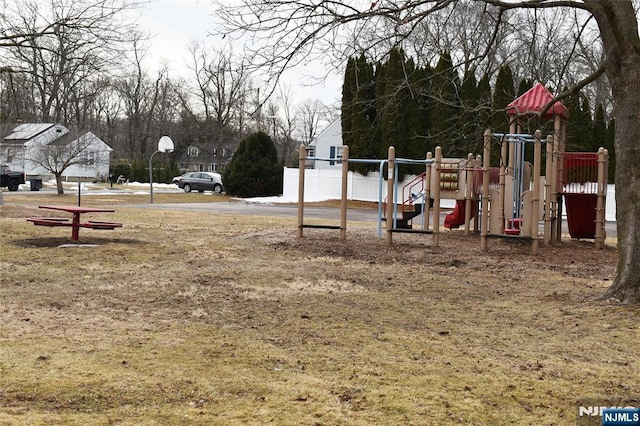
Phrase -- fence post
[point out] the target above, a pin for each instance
(391, 165)
(343, 199)
(302, 160)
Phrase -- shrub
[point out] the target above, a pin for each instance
(254, 169)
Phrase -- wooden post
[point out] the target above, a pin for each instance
(486, 156)
(391, 165)
(513, 129)
(467, 196)
(600, 203)
(476, 220)
(427, 191)
(547, 190)
(343, 200)
(302, 160)
(504, 171)
(535, 204)
(558, 150)
(436, 198)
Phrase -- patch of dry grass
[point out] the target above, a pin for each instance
(200, 318)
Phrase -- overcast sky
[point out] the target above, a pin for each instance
(176, 23)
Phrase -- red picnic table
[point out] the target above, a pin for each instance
(75, 223)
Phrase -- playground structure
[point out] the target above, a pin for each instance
(508, 201)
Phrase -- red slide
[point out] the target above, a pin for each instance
(581, 214)
(456, 218)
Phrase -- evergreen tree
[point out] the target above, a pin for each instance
(484, 107)
(420, 119)
(377, 149)
(503, 95)
(395, 124)
(348, 95)
(599, 130)
(254, 169)
(572, 103)
(469, 119)
(363, 119)
(445, 107)
(579, 124)
(525, 84)
(586, 126)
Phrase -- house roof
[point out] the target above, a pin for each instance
(333, 129)
(534, 100)
(86, 139)
(26, 131)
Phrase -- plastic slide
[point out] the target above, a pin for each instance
(581, 214)
(456, 218)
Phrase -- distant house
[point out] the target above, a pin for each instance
(197, 159)
(327, 145)
(23, 149)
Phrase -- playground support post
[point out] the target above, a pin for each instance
(556, 219)
(436, 198)
(343, 199)
(547, 190)
(302, 160)
(391, 165)
(486, 158)
(468, 196)
(504, 171)
(427, 190)
(600, 203)
(559, 137)
(535, 202)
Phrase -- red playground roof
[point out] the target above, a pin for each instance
(533, 100)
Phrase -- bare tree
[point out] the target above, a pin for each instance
(289, 125)
(107, 110)
(312, 120)
(217, 100)
(286, 31)
(140, 96)
(62, 46)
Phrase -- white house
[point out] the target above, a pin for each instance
(327, 145)
(25, 147)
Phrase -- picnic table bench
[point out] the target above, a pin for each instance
(75, 222)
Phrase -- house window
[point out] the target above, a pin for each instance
(335, 152)
(10, 154)
(88, 158)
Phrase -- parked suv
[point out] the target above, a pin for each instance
(200, 181)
